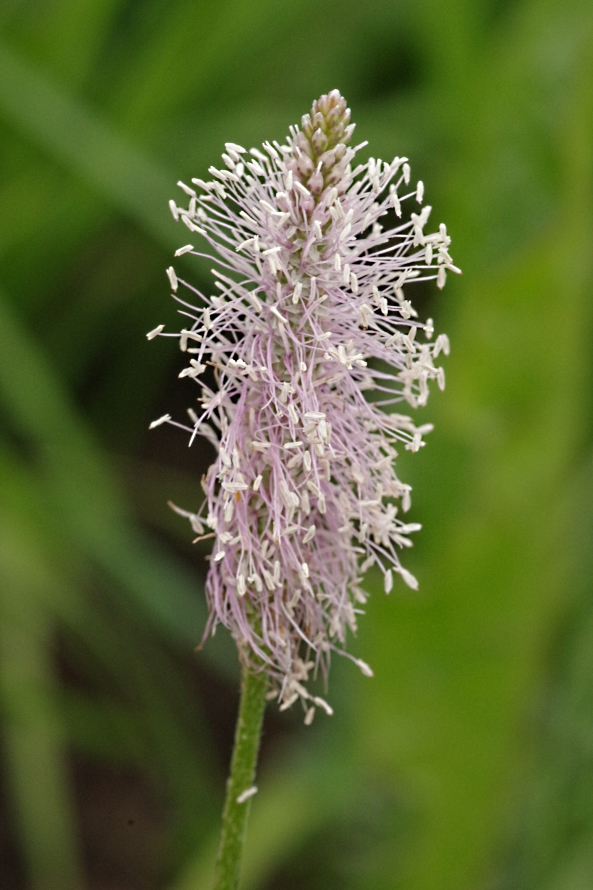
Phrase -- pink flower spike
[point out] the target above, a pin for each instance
(314, 342)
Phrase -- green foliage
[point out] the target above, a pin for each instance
(467, 761)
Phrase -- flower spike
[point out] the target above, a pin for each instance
(313, 339)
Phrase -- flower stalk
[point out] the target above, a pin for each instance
(240, 787)
(308, 343)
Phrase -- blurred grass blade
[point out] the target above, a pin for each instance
(91, 505)
(87, 22)
(34, 749)
(190, 49)
(550, 839)
(86, 146)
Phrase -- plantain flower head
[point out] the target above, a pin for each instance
(300, 356)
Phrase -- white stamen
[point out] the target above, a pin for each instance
(309, 536)
(160, 420)
(245, 795)
(321, 703)
(185, 249)
(364, 667)
(410, 580)
(301, 188)
(186, 188)
(255, 300)
(172, 278)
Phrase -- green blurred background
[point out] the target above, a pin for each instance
(467, 762)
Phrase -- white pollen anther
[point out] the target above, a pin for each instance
(160, 420)
(364, 667)
(310, 534)
(321, 703)
(301, 188)
(245, 795)
(172, 278)
(155, 332)
(186, 249)
(187, 189)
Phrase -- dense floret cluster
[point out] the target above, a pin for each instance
(312, 338)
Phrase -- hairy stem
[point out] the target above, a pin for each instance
(235, 815)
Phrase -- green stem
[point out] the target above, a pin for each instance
(234, 818)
